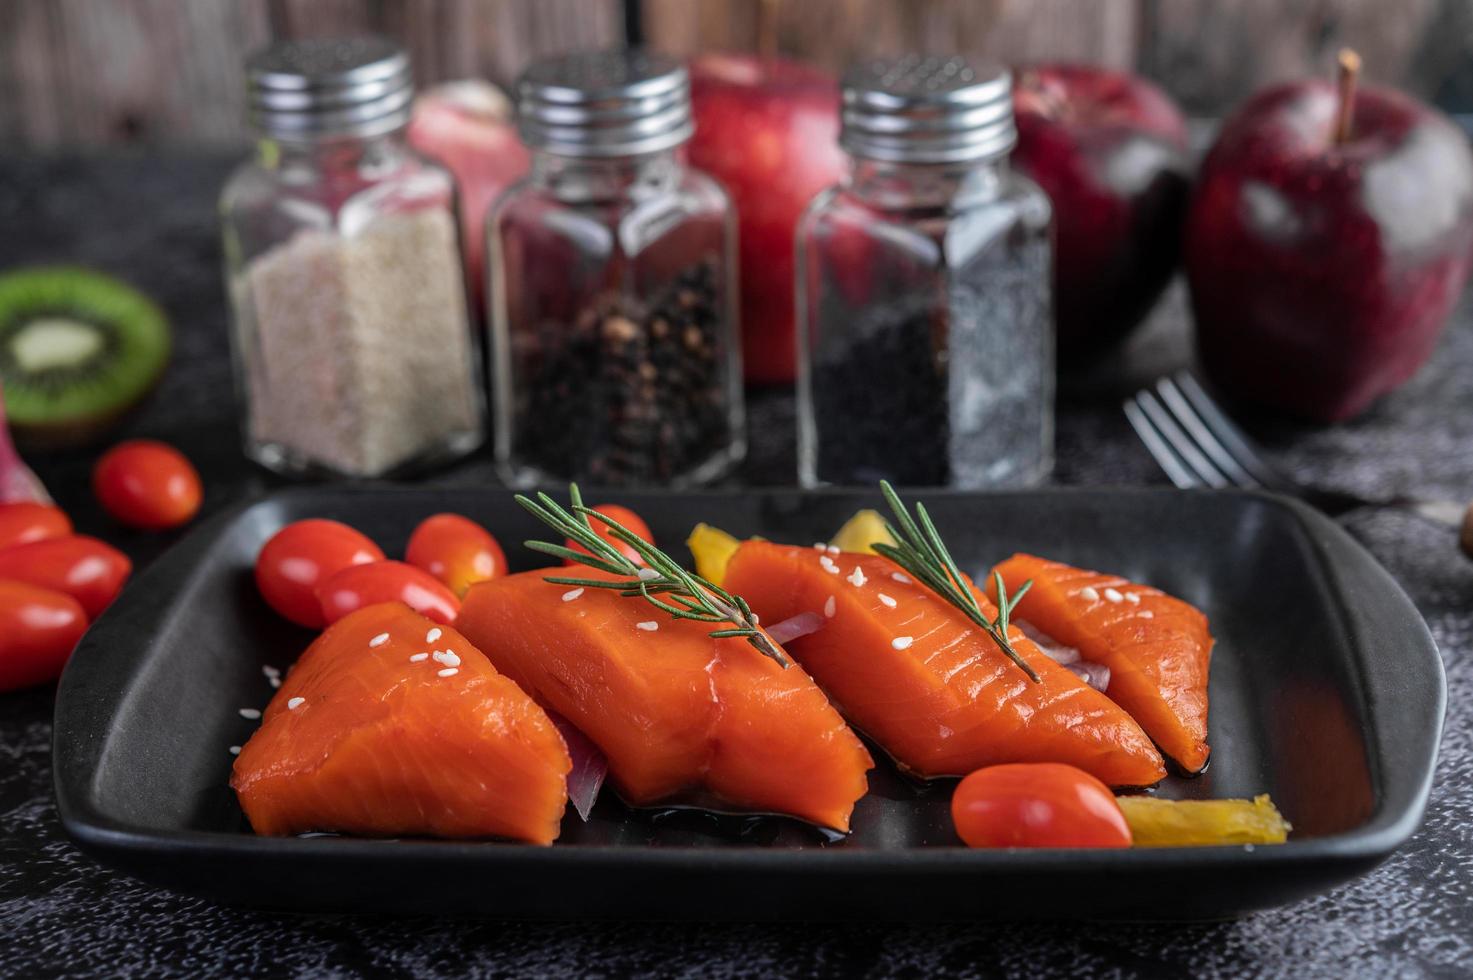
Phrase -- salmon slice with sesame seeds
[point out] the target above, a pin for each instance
(915, 674)
(1157, 647)
(682, 717)
(391, 725)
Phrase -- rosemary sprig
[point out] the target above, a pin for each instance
(691, 597)
(922, 553)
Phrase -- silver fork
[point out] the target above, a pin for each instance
(1197, 445)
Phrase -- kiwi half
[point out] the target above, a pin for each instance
(78, 349)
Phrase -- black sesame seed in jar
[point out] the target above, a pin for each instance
(884, 402)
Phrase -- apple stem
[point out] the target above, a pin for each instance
(1349, 70)
(767, 28)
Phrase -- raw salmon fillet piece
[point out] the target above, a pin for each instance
(682, 717)
(366, 737)
(1157, 647)
(912, 672)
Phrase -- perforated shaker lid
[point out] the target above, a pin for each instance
(918, 109)
(605, 103)
(350, 86)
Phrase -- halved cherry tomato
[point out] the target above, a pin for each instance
(147, 484)
(456, 550)
(623, 515)
(38, 630)
(1037, 804)
(386, 581)
(25, 521)
(300, 557)
(88, 570)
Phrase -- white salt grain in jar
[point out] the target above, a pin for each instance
(352, 335)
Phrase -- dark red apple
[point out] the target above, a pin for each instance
(768, 130)
(1110, 150)
(467, 126)
(1322, 269)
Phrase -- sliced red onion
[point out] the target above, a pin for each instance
(1095, 675)
(1055, 650)
(795, 627)
(17, 483)
(590, 766)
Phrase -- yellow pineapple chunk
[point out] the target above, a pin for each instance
(711, 548)
(861, 532)
(1203, 823)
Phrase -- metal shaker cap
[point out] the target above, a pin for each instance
(605, 104)
(327, 87)
(927, 110)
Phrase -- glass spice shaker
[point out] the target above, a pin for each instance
(926, 340)
(354, 352)
(614, 350)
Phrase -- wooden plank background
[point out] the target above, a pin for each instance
(79, 73)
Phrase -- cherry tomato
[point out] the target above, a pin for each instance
(631, 521)
(147, 484)
(1037, 804)
(38, 630)
(88, 570)
(456, 550)
(24, 521)
(386, 581)
(300, 557)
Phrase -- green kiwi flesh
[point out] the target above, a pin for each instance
(78, 349)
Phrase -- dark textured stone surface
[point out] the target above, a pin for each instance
(152, 221)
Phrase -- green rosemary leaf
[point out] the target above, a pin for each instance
(588, 583)
(953, 574)
(912, 533)
(920, 550)
(561, 551)
(692, 597)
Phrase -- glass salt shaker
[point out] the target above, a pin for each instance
(354, 351)
(614, 350)
(926, 340)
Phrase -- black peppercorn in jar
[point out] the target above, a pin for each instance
(611, 272)
(926, 339)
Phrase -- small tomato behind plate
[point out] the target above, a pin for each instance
(386, 581)
(456, 550)
(147, 484)
(1037, 804)
(90, 571)
(624, 516)
(38, 630)
(300, 557)
(25, 521)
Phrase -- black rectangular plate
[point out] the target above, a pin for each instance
(1327, 692)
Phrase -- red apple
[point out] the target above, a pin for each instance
(1322, 269)
(1109, 149)
(768, 130)
(467, 126)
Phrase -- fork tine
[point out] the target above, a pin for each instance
(1174, 468)
(1179, 441)
(1186, 416)
(1232, 438)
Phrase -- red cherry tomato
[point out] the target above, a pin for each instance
(1037, 804)
(147, 484)
(631, 521)
(24, 521)
(386, 581)
(300, 557)
(88, 570)
(38, 630)
(456, 550)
